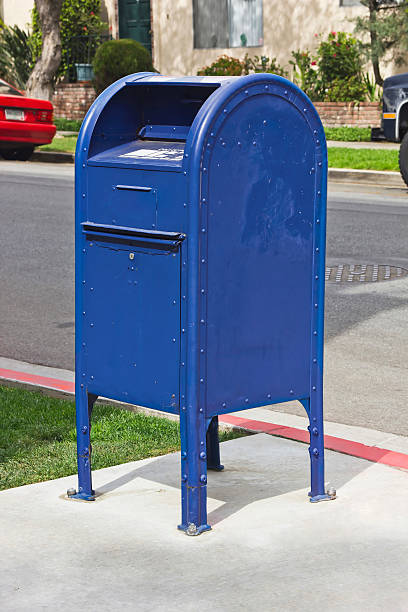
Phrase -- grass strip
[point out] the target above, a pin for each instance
(66, 144)
(38, 440)
(363, 159)
(69, 125)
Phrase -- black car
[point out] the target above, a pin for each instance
(394, 121)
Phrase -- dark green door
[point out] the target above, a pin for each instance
(134, 21)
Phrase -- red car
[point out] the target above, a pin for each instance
(24, 123)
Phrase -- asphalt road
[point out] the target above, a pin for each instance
(366, 323)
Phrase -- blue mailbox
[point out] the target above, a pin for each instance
(200, 260)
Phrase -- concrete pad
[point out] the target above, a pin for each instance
(269, 548)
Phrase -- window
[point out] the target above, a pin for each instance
(227, 23)
(8, 90)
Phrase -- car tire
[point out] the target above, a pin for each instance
(17, 154)
(403, 158)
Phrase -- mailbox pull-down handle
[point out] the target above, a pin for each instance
(167, 240)
(132, 188)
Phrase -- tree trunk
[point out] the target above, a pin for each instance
(42, 79)
(373, 7)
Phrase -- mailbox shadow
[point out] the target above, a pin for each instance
(256, 467)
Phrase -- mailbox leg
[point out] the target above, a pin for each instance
(213, 446)
(314, 408)
(193, 475)
(84, 405)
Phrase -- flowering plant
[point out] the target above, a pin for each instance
(334, 73)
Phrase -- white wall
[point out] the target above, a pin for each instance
(288, 25)
(18, 12)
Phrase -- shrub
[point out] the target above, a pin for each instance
(15, 55)
(223, 66)
(335, 73)
(305, 75)
(70, 125)
(346, 90)
(231, 66)
(374, 91)
(117, 58)
(349, 134)
(263, 64)
(338, 57)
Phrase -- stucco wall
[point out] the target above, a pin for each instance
(17, 12)
(288, 25)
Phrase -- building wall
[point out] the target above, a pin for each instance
(17, 12)
(288, 25)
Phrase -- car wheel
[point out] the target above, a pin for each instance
(403, 158)
(17, 154)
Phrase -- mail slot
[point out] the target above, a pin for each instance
(200, 261)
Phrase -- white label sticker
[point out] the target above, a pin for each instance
(163, 153)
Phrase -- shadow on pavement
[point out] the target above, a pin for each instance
(257, 467)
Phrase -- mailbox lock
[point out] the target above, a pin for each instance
(131, 256)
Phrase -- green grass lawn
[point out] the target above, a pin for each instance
(38, 440)
(66, 144)
(363, 159)
(367, 159)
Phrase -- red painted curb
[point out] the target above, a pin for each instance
(340, 445)
(41, 381)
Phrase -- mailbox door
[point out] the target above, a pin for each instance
(260, 255)
(131, 321)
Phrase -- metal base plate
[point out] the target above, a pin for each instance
(82, 496)
(318, 498)
(193, 530)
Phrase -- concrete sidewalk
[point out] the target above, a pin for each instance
(269, 548)
(384, 145)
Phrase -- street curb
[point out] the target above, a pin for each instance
(347, 175)
(53, 157)
(375, 454)
(371, 177)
